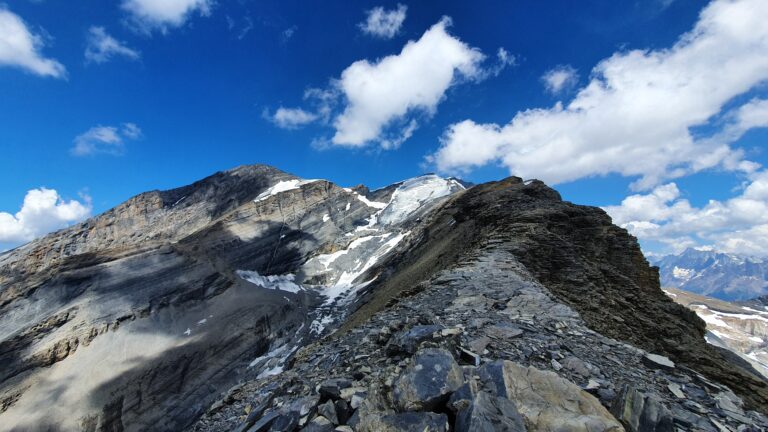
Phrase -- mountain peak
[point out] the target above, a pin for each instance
(142, 317)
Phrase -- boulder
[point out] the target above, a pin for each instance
(319, 424)
(264, 423)
(255, 414)
(545, 400)
(285, 422)
(331, 388)
(328, 410)
(408, 341)
(343, 411)
(486, 412)
(403, 422)
(640, 412)
(428, 381)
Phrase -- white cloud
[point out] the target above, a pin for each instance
(738, 225)
(413, 81)
(102, 47)
(20, 48)
(163, 14)
(290, 118)
(105, 139)
(289, 32)
(43, 211)
(378, 102)
(383, 23)
(560, 78)
(634, 116)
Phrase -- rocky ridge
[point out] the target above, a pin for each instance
(487, 310)
(418, 306)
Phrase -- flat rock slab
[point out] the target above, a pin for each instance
(547, 401)
(658, 362)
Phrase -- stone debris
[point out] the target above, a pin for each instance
(544, 371)
(658, 361)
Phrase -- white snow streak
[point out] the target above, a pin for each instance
(282, 186)
(275, 282)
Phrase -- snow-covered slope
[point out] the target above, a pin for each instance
(413, 194)
(740, 328)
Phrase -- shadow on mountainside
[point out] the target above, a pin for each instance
(156, 296)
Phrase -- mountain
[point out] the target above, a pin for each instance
(739, 327)
(256, 300)
(723, 276)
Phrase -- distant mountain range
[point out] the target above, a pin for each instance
(724, 276)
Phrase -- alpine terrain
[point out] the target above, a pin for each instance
(739, 327)
(723, 276)
(254, 300)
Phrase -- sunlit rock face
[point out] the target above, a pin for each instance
(141, 316)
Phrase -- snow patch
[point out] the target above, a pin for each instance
(282, 186)
(327, 259)
(326, 217)
(276, 282)
(344, 284)
(369, 203)
(683, 273)
(749, 309)
(414, 193)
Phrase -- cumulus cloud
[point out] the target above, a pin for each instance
(635, 115)
(290, 118)
(43, 211)
(414, 80)
(738, 225)
(20, 48)
(383, 23)
(381, 102)
(560, 78)
(105, 139)
(163, 14)
(102, 47)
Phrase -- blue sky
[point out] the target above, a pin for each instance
(114, 98)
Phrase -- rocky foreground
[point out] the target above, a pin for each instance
(257, 301)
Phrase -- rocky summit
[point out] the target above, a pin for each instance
(254, 300)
